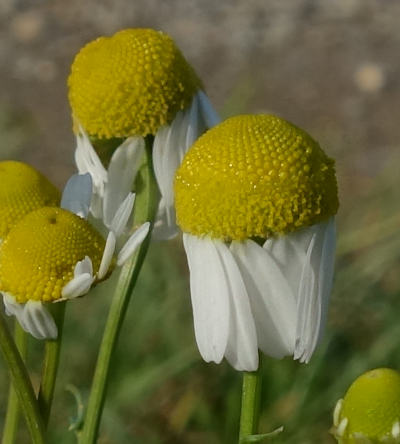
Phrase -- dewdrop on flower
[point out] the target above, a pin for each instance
(256, 198)
(128, 86)
(369, 413)
(23, 189)
(54, 254)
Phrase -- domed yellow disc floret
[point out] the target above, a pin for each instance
(254, 176)
(22, 190)
(38, 256)
(130, 84)
(372, 406)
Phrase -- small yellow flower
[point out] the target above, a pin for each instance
(370, 410)
(23, 189)
(254, 176)
(130, 84)
(38, 256)
(53, 254)
(125, 87)
(256, 198)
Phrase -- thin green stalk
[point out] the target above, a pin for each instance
(145, 210)
(13, 408)
(22, 384)
(250, 404)
(50, 364)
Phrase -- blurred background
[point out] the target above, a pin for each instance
(332, 68)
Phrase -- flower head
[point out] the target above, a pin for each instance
(123, 88)
(370, 410)
(130, 84)
(39, 255)
(255, 197)
(23, 189)
(54, 254)
(254, 176)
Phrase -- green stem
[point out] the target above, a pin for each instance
(13, 409)
(50, 364)
(250, 404)
(145, 210)
(22, 384)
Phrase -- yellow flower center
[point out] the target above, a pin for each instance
(254, 176)
(22, 190)
(39, 254)
(130, 84)
(372, 405)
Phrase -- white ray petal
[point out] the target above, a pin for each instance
(84, 266)
(271, 298)
(133, 243)
(164, 230)
(108, 254)
(82, 280)
(210, 297)
(77, 194)
(210, 116)
(88, 161)
(12, 307)
(314, 289)
(242, 349)
(122, 171)
(192, 130)
(36, 320)
(121, 217)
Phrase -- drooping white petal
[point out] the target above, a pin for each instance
(207, 111)
(133, 243)
(77, 194)
(108, 254)
(12, 307)
(164, 230)
(210, 297)
(88, 161)
(271, 298)
(36, 320)
(122, 171)
(192, 132)
(170, 146)
(121, 217)
(82, 280)
(314, 288)
(242, 349)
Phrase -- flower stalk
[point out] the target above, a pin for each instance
(50, 364)
(147, 197)
(22, 384)
(250, 412)
(13, 408)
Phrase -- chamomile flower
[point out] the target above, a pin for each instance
(256, 198)
(126, 87)
(370, 411)
(54, 254)
(23, 189)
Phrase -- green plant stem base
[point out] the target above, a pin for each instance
(146, 204)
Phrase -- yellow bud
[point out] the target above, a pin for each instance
(254, 176)
(371, 409)
(39, 254)
(23, 189)
(130, 84)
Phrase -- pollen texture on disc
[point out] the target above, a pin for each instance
(23, 189)
(130, 84)
(254, 176)
(39, 254)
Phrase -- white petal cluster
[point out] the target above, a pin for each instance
(271, 297)
(171, 143)
(77, 197)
